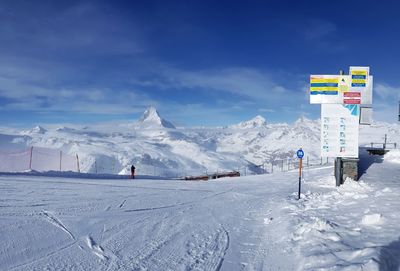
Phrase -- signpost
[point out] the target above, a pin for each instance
(346, 102)
(300, 155)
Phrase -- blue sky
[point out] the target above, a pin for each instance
(199, 62)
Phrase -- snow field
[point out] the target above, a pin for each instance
(246, 223)
(58, 223)
(353, 227)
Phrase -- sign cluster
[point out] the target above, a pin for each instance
(355, 88)
(343, 98)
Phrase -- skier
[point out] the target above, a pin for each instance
(133, 172)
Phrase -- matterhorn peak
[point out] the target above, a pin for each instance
(150, 113)
(152, 119)
(256, 122)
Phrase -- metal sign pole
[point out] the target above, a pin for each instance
(300, 155)
(300, 165)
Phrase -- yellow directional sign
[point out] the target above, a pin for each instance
(324, 89)
(359, 76)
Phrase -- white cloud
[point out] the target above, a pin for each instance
(386, 91)
(69, 28)
(267, 110)
(202, 114)
(247, 82)
(14, 88)
(385, 112)
(232, 90)
(30, 97)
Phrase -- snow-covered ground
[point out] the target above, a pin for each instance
(245, 223)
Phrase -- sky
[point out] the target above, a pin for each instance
(205, 63)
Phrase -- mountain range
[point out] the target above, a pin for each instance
(156, 147)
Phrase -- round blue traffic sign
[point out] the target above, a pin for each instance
(300, 153)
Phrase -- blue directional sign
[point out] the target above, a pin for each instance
(300, 153)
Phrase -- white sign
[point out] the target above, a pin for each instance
(366, 94)
(339, 130)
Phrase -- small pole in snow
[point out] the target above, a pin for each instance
(300, 154)
(399, 110)
(384, 144)
(300, 166)
(30, 159)
(77, 163)
(60, 159)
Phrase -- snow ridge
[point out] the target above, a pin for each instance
(256, 122)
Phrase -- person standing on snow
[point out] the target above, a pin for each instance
(133, 172)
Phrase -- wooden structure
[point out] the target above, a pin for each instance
(380, 150)
(212, 176)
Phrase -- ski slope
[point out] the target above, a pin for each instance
(245, 223)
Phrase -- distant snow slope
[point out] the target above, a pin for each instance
(256, 122)
(156, 147)
(245, 223)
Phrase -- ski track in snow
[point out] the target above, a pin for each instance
(122, 204)
(178, 204)
(56, 222)
(48, 255)
(96, 249)
(208, 253)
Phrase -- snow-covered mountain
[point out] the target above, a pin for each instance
(156, 147)
(151, 120)
(34, 130)
(256, 122)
